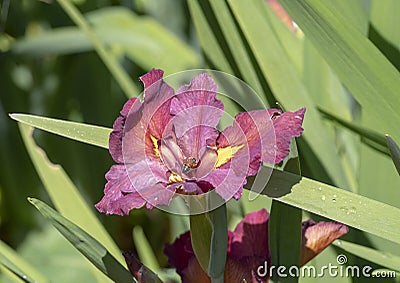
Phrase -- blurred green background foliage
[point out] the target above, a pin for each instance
(64, 78)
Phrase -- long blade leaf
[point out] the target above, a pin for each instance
(65, 195)
(370, 137)
(394, 152)
(86, 244)
(284, 232)
(343, 206)
(90, 134)
(370, 77)
(17, 265)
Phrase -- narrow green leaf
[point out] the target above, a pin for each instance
(86, 244)
(8, 276)
(329, 93)
(384, 259)
(65, 195)
(219, 242)
(18, 266)
(370, 137)
(179, 222)
(394, 152)
(284, 236)
(144, 250)
(15, 270)
(235, 44)
(378, 180)
(209, 235)
(285, 81)
(207, 38)
(337, 204)
(64, 257)
(284, 226)
(201, 231)
(384, 31)
(218, 48)
(369, 76)
(60, 41)
(90, 134)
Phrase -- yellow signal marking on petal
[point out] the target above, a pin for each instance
(174, 178)
(225, 154)
(155, 143)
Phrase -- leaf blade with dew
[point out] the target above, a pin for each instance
(354, 210)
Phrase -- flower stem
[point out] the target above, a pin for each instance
(219, 279)
(209, 234)
(106, 55)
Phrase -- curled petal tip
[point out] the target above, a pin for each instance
(317, 236)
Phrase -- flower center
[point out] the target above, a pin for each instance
(189, 163)
(183, 168)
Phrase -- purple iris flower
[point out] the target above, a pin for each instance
(248, 256)
(169, 144)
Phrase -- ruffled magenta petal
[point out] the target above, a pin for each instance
(246, 134)
(247, 250)
(250, 237)
(151, 77)
(201, 90)
(249, 243)
(149, 120)
(157, 100)
(119, 195)
(286, 126)
(115, 140)
(140, 176)
(264, 134)
(196, 109)
(125, 191)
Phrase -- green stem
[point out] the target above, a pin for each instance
(209, 235)
(108, 58)
(219, 279)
